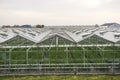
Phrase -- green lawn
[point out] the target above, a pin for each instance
(62, 78)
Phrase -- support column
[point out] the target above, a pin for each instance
(101, 50)
(27, 57)
(27, 51)
(10, 51)
(4, 56)
(56, 41)
(84, 58)
(66, 55)
(113, 63)
(56, 47)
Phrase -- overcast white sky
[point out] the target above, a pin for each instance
(59, 12)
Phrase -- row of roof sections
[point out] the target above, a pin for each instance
(74, 34)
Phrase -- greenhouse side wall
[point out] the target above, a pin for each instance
(29, 52)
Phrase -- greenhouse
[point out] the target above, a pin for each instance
(60, 50)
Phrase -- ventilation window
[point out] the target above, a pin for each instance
(117, 36)
(31, 34)
(78, 33)
(102, 33)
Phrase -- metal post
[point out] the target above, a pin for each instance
(66, 55)
(27, 56)
(56, 41)
(5, 56)
(56, 47)
(10, 55)
(113, 65)
(27, 53)
(84, 58)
